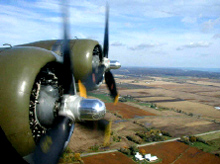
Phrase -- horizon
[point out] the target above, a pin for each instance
(173, 67)
(190, 68)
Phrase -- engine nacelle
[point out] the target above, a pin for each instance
(86, 55)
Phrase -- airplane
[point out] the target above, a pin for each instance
(39, 102)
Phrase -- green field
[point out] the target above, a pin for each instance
(104, 97)
(212, 142)
(212, 136)
(205, 147)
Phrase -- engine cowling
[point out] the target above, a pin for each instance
(19, 67)
(87, 56)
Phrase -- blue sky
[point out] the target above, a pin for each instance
(158, 33)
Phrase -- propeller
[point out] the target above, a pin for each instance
(109, 78)
(96, 76)
(51, 145)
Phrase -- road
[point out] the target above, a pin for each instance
(147, 144)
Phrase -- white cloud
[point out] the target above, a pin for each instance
(195, 45)
(190, 20)
(216, 36)
(117, 44)
(136, 27)
(167, 8)
(210, 24)
(141, 47)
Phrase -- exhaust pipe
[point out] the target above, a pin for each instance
(81, 109)
(91, 109)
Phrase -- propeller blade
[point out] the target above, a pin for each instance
(51, 145)
(106, 39)
(82, 89)
(116, 99)
(68, 68)
(110, 81)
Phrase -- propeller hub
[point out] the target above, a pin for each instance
(111, 64)
(106, 63)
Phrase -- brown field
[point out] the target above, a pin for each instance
(213, 101)
(137, 82)
(193, 155)
(149, 99)
(108, 158)
(161, 84)
(127, 111)
(179, 125)
(180, 153)
(205, 83)
(205, 111)
(87, 134)
(191, 88)
(124, 80)
(215, 94)
(158, 113)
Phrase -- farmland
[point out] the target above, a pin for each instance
(112, 158)
(177, 152)
(172, 102)
(127, 111)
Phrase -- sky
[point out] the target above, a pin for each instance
(143, 33)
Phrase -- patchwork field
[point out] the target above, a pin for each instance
(207, 83)
(175, 105)
(177, 152)
(158, 92)
(197, 109)
(178, 125)
(171, 152)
